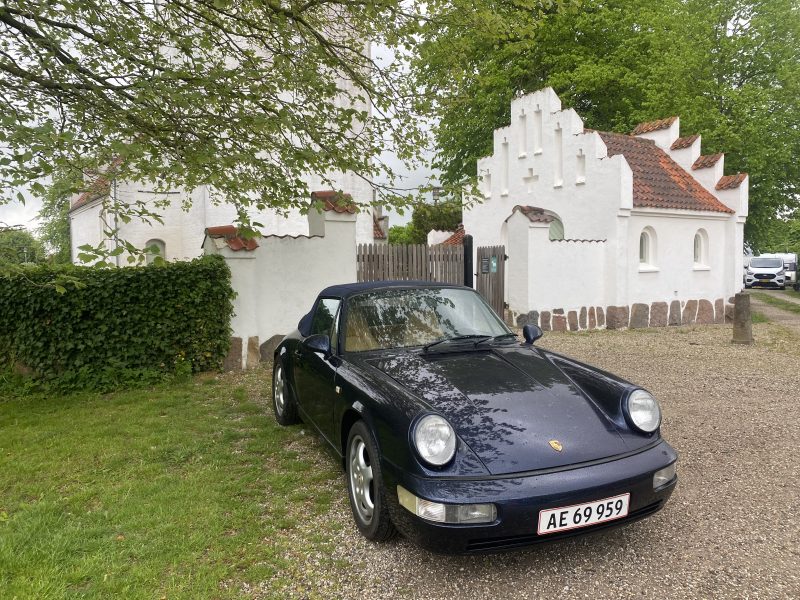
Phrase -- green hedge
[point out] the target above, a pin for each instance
(117, 325)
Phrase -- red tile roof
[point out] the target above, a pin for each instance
(232, 238)
(730, 182)
(658, 181)
(653, 126)
(336, 201)
(534, 214)
(100, 187)
(377, 231)
(684, 142)
(707, 160)
(457, 239)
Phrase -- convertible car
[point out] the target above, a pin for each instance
(457, 434)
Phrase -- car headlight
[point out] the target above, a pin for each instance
(435, 440)
(643, 411)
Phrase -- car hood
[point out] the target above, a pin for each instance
(507, 404)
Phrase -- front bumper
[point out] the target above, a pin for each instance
(519, 500)
(773, 282)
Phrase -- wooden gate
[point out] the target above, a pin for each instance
(491, 276)
(377, 262)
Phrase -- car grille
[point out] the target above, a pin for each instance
(763, 276)
(518, 541)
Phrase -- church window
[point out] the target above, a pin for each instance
(154, 248)
(647, 250)
(701, 249)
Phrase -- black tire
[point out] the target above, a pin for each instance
(283, 402)
(783, 287)
(374, 524)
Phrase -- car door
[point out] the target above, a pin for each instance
(315, 372)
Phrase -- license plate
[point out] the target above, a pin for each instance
(554, 520)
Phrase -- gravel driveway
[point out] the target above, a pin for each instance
(731, 529)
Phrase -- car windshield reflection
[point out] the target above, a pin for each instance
(405, 318)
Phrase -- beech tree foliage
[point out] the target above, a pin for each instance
(729, 68)
(442, 216)
(243, 96)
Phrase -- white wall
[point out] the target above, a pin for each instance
(545, 274)
(675, 276)
(277, 283)
(182, 231)
(86, 227)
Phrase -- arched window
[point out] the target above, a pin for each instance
(556, 229)
(155, 248)
(647, 248)
(701, 248)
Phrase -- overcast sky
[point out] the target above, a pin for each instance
(21, 214)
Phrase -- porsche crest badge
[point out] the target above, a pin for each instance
(556, 445)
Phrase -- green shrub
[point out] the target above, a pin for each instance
(116, 326)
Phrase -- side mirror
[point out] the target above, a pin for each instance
(318, 343)
(531, 333)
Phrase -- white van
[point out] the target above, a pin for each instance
(765, 271)
(789, 265)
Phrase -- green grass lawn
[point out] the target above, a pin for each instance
(183, 491)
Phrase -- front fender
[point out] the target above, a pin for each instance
(389, 411)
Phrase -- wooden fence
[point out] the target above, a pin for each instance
(377, 262)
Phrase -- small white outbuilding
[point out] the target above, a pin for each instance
(606, 229)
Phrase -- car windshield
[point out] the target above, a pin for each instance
(402, 318)
(766, 263)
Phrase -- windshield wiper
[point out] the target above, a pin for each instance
(497, 338)
(458, 338)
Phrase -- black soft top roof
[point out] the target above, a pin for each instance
(345, 290)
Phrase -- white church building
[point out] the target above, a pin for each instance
(189, 213)
(180, 236)
(606, 229)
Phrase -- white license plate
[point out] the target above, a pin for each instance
(553, 520)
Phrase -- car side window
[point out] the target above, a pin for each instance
(325, 319)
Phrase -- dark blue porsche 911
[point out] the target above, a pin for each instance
(458, 435)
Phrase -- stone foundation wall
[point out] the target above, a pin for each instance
(635, 316)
